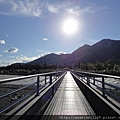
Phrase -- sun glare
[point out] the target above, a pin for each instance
(70, 26)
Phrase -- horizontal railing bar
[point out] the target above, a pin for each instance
(92, 81)
(108, 93)
(41, 88)
(17, 101)
(97, 80)
(81, 75)
(99, 75)
(41, 80)
(92, 84)
(105, 83)
(82, 79)
(25, 77)
(113, 86)
(6, 94)
(96, 86)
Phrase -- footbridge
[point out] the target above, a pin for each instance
(60, 95)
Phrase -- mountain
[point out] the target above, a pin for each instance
(104, 50)
(78, 55)
(50, 59)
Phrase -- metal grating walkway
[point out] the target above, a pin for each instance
(69, 100)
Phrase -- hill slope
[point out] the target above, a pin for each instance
(104, 50)
(50, 59)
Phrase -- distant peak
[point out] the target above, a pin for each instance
(53, 54)
(86, 45)
(106, 40)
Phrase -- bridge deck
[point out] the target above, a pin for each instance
(69, 100)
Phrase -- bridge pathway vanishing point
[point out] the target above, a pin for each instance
(69, 100)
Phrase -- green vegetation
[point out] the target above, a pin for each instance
(99, 67)
(26, 69)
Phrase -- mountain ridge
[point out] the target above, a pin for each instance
(104, 50)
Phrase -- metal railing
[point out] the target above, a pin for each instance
(101, 84)
(35, 87)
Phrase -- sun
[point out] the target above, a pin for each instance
(70, 26)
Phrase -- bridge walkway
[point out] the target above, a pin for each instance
(69, 100)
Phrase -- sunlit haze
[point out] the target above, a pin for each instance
(70, 26)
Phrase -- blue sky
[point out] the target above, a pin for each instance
(30, 29)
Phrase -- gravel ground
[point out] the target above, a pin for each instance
(5, 88)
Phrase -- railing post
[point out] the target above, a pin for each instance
(50, 79)
(103, 87)
(88, 80)
(94, 80)
(37, 89)
(55, 77)
(45, 80)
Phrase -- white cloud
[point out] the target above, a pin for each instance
(37, 8)
(2, 41)
(29, 8)
(94, 8)
(18, 59)
(40, 50)
(59, 53)
(24, 58)
(6, 62)
(45, 39)
(72, 11)
(46, 53)
(12, 50)
(90, 9)
(19, 7)
(1, 55)
(53, 8)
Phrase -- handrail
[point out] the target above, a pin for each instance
(6, 94)
(91, 78)
(97, 74)
(28, 76)
(38, 85)
(15, 102)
